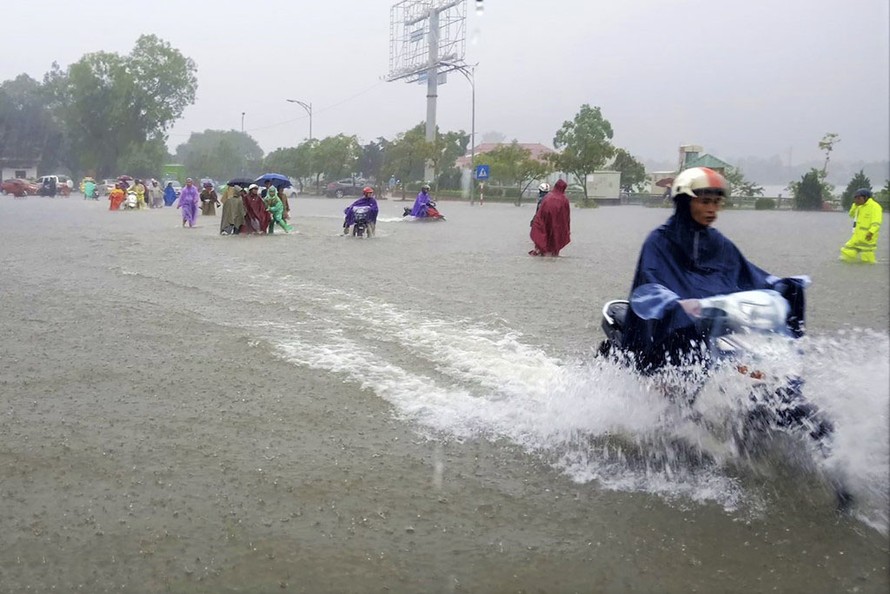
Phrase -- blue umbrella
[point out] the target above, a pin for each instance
(278, 180)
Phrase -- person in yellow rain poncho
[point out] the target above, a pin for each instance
(139, 188)
(866, 215)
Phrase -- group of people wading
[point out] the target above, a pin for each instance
(249, 210)
(147, 196)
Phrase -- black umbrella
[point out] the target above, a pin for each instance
(240, 181)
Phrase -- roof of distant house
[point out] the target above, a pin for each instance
(538, 151)
(710, 161)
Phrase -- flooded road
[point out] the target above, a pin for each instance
(184, 412)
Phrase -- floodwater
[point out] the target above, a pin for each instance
(417, 412)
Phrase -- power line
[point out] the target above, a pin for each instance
(323, 109)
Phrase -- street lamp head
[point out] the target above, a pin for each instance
(304, 105)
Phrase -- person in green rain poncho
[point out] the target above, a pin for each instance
(276, 209)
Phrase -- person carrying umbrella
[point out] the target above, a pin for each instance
(280, 182)
(276, 209)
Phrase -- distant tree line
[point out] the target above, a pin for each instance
(103, 114)
(108, 114)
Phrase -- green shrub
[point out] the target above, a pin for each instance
(811, 191)
(764, 204)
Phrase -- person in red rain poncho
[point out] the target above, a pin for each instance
(550, 227)
(256, 217)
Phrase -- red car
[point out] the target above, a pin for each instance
(18, 187)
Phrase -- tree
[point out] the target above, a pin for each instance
(145, 159)
(164, 83)
(407, 155)
(584, 144)
(633, 173)
(810, 192)
(371, 160)
(511, 164)
(445, 151)
(220, 154)
(859, 181)
(305, 162)
(883, 195)
(28, 130)
(827, 144)
(283, 161)
(109, 103)
(336, 156)
(739, 186)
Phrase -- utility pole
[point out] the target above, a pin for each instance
(242, 122)
(432, 87)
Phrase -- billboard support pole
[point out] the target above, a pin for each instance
(432, 88)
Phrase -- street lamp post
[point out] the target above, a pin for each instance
(308, 108)
(470, 74)
(242, 120)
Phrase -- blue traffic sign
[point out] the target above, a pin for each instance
(483, 171)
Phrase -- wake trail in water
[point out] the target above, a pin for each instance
(593, 419)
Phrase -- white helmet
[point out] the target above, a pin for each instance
(544, 187)
(697, 178)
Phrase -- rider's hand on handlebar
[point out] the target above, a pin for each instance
(692, 307)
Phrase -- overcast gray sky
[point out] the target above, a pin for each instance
(740, 77)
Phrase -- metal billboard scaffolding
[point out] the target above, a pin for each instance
(410, 37)
(427, 38)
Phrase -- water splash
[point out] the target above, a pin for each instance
(595, 419)
(592, 418)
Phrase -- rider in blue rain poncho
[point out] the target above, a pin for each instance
(687, 259)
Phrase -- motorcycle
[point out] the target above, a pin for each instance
(131, 202)
(744, 332)
(432, 214)
(362, 225)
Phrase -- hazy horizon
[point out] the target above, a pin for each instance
(750, 78)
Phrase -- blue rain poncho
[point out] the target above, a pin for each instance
(685, 260)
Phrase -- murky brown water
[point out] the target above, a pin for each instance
(188, 413)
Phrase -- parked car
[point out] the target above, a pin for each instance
(106, 186)
(345, 187)
(18, 187)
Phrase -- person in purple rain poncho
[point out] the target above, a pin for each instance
(188, 202)
(367, 199)
(422, 202)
